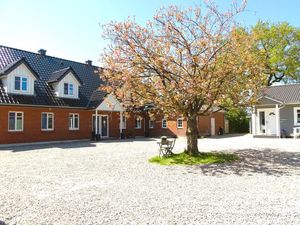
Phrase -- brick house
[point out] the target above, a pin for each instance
(45, 98)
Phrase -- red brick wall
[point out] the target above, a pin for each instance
(32, 125)
(204, 124)
(171, 130)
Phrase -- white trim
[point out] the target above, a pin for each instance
(15, 130)
(277, 114)
(47, 129)
(267, 97)
(73, 116)
(295, 116)
(162, 124)
(180, 127)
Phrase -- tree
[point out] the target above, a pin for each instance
(185, 62)
(280, 45)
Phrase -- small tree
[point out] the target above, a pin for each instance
(184, 62)
(280, 45)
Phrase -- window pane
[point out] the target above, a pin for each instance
(11, 124)
(24, 84)
(71, 121)
(44, 121)
(19, 122)
(66, 88)
(76, 122)
(179, 123)
(151, 124)
(50, 121)
(298, 116)
(17, 83)
(164, 123)
(70, 89)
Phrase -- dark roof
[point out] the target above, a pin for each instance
(45, 66)
(58, 75)
(94, 100)
(11, 66)
(283, 93)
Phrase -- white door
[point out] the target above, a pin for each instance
(212, 126)
(270, 122)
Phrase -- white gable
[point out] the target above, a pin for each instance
(69, 79)
(20, 71)
(110, 103)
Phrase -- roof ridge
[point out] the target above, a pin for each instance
(48, 56)
(283, 85)
(56, 71)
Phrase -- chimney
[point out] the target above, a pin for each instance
(42, 52)
(89, 62)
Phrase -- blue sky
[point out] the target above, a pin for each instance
(70, 29)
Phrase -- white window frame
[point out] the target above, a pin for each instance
(180, 127)
(139, 124)
(295, 116)
(47, 121)
(71, 126)
(69, 84)
(151, 127)
(15, 129)
(21, 84)
(124, 119)
(162, 124)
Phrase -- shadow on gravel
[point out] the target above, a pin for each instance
(227, 136)
(268, 162)
(66, 145)
(2, 223)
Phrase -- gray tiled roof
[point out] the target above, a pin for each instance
(284, 93)
(45, 66)
(60, 74)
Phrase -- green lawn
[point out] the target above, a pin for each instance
(202, 158)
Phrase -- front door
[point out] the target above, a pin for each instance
(104, 126)
(102, 122)
(271, 122)
(267, 121)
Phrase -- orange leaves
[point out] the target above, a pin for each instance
(180, 61)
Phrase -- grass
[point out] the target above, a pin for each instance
(202, 158)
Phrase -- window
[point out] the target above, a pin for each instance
(123, 122)
(151, 123)
(138, 123)
(21, 83)
(68, 89)
(297, 116)
(74, 121)
(15, 121)
(164, 123)
(47, 121)
(180, 123)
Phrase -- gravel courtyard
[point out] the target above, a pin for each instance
(111, 182)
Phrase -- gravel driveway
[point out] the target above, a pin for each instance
(112, 182)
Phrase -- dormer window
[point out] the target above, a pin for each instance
(65, 83)
(18, 77)
(21, 83)
(68, 89)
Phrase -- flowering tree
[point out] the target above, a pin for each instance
(184, 62)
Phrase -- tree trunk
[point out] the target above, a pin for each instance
(192, 135)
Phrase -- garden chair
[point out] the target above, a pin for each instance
(166, 146)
